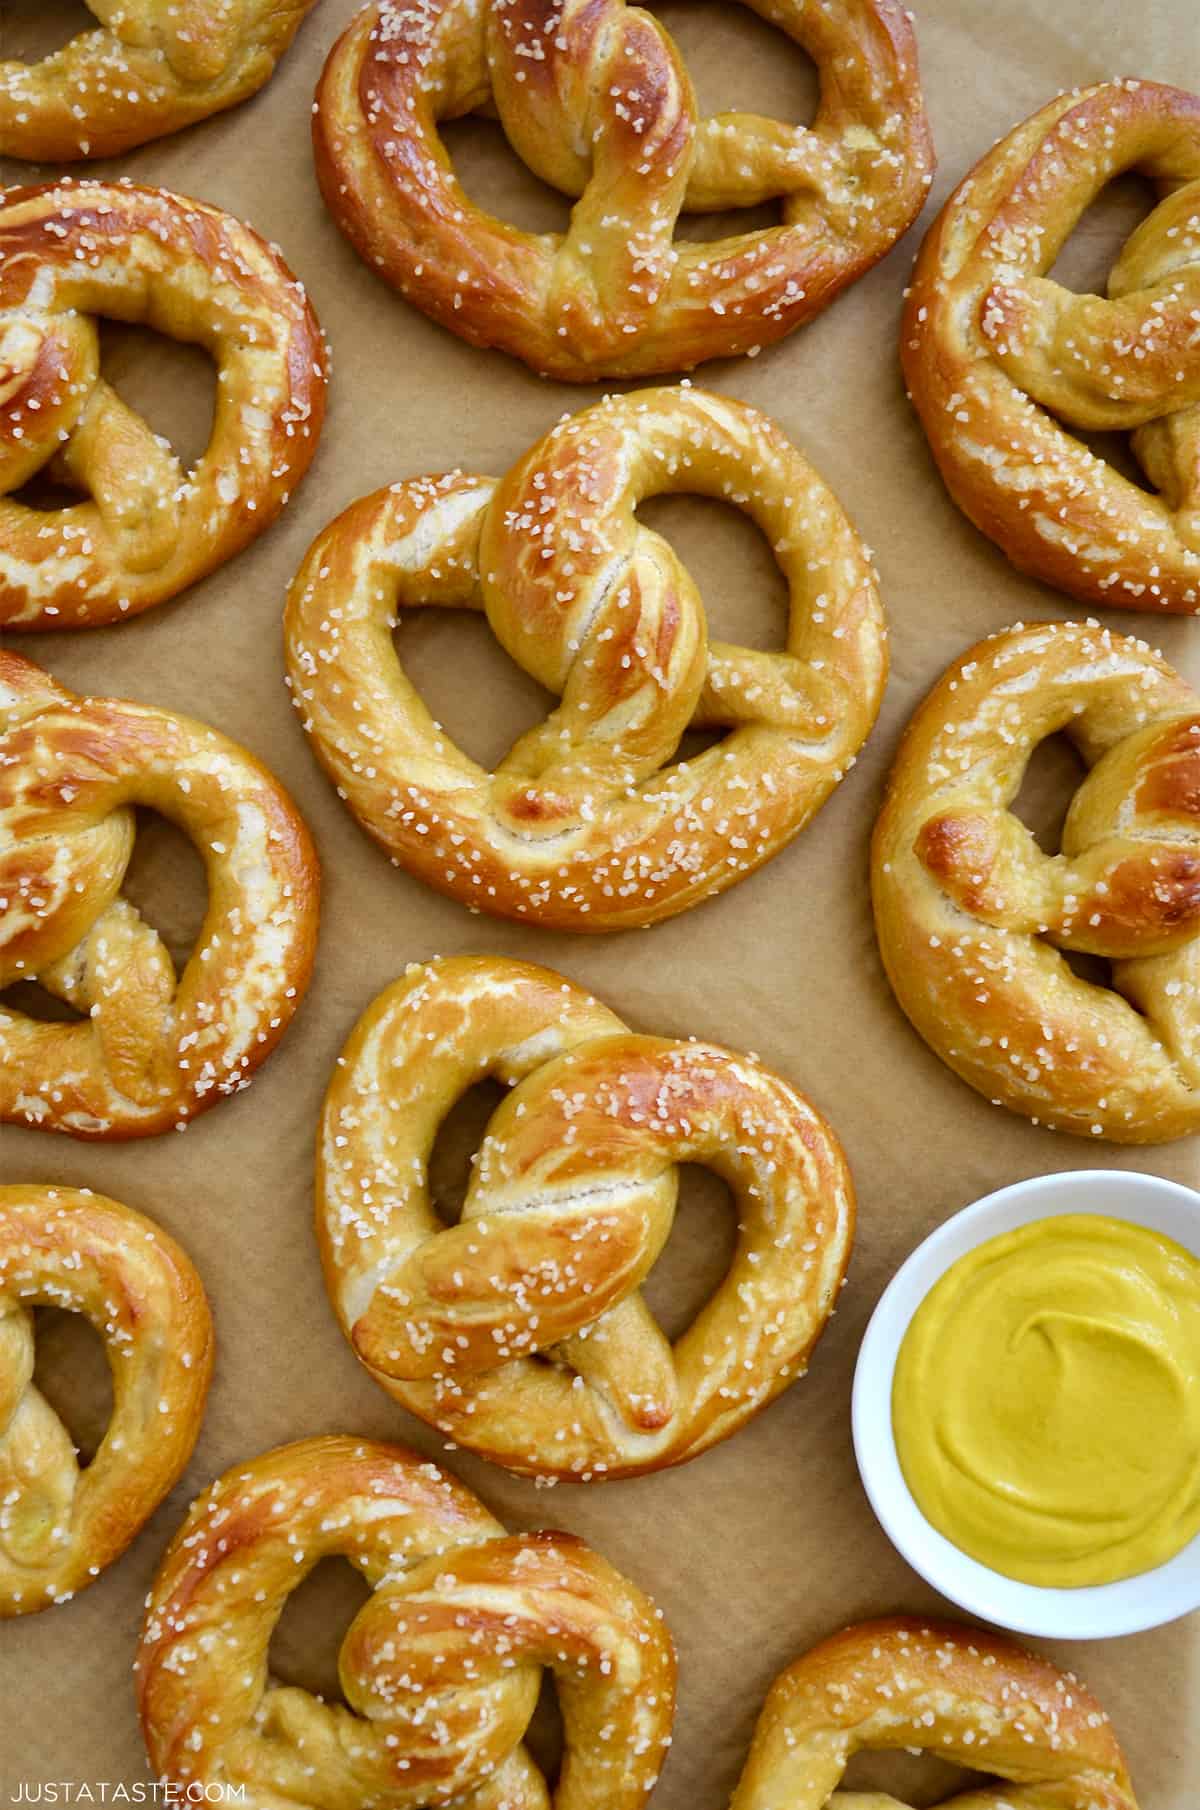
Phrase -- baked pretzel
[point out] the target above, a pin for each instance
(149, 68)
(60, 1525)
(966, 1695)
(579, 828)
(440, 1668)
(1002, 363)
(521, 1332)
(975, 922)
(594, 96)
(148, 529)
(152, 1050)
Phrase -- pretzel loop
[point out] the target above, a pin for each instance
(440, 1667)
(61, 1525)
(570, 1203)
(972, 1697)
(153, 1050)
(987, 332)
(595, 98)
(148, 529)
(973, 915)
(152, 67)
(580, 826)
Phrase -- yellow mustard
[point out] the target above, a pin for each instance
(1046, 1401)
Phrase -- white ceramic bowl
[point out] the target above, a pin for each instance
(1094, 1612)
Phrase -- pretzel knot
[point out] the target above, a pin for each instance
(997, 356)
(152, 1050)
(60, 1525)
(596, 99)
(970, 1697)
(148, 529)
(975, 921)
(151, 67)
(441, 1667)
(579, 828)
(520, 1332)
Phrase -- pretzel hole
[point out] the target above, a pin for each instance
(739, 63)
(745, 593)
(696, 1257)
(1098, 236)
(701, 228)
(544, 1737)
(72, 1371)
(456, 1147)
(482, 699)
(172, 385)
(166, 881)
(32, 999)
(496, 179)
(1051, 779)
(1096, 970)
(307, 1638)
(917, 1779)
(33, 29)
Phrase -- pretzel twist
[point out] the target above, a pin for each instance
(148, 529)
(973, 917)
(997, 356)
(150, 67)
(578, 828)
(152, 1050)
(60, 1525)
(596, 99)
(973, 1698)
(440, 1668)
(571, 1200)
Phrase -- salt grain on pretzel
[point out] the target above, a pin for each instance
(976, 923)
(150, 67)
(152, 1050)
(582, 827)
(60, 1525)
(441, 1667)
(594, 96)
(1002, 363)
(521, 1332)
(967, 1696)
(148, 529)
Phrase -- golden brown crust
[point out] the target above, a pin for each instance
(582, 826)
(441, 1667)
(972, 1697)
(616, 296)
(61, 1525)
(571, 1200)
(151, 67)
(1001, 363)
(152, 1050)
(973, 918)
(148, 529)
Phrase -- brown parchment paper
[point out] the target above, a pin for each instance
(764, 1545)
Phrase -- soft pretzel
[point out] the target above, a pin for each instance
(594, 96)
(61, 1525)
(521, 1332)
(970, 1697)
(150, 67)
(1002, 363)
(151, 1050)
(440, 1668)
(148, 529)
(975, 921)
(579, 828)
